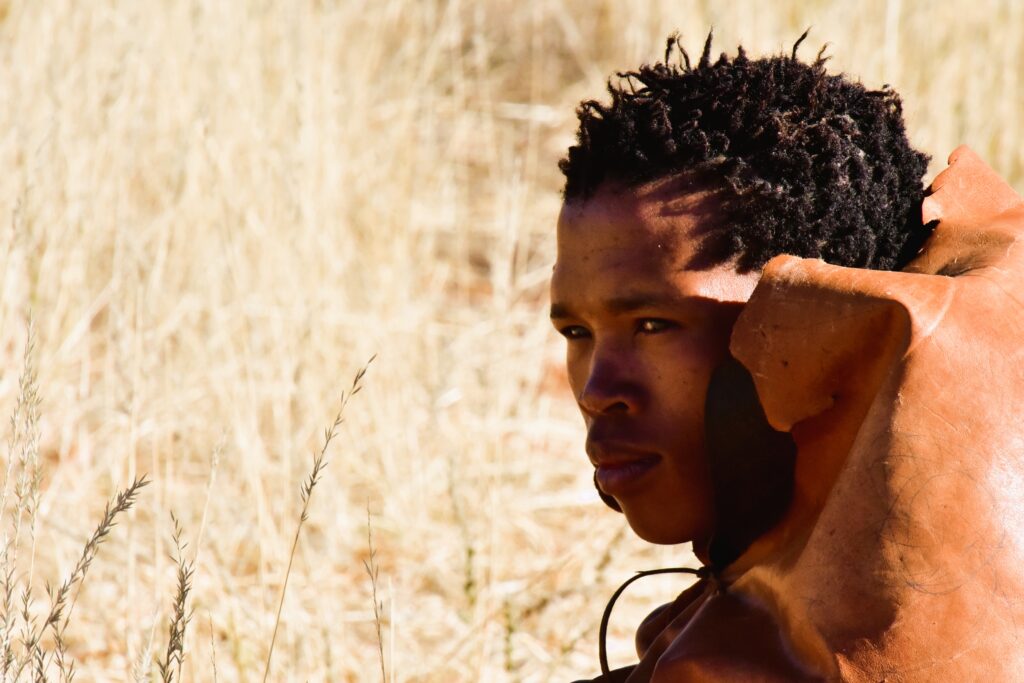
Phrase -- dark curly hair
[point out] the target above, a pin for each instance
(809, 164)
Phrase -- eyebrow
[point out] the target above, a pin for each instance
(628, 303)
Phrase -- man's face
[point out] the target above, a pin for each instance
(645, 328)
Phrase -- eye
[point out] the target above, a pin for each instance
(654, 325)
(572, 332)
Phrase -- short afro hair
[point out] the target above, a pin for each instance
(809, 164)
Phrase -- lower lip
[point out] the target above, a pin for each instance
(620, 479)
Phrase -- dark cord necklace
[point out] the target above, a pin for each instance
(602, 647)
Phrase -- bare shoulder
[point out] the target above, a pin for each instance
(655, 623)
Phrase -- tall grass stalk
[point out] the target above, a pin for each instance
(218, 451)
(61, 598)
(174, 655)
(373, 570)
(306, 493)
(23, 449)
(213, 651)
(25, 438)
(144, 660)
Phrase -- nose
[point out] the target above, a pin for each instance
(610, 387)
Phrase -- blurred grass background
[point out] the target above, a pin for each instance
(216, 211)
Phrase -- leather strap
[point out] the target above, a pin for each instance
(602, 647)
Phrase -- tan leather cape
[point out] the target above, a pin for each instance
(901, 554)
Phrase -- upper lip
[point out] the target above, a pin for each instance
(613, 453)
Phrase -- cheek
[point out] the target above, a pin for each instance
(683, 369)
(577, 366)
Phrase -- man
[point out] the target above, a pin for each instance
(797, 471)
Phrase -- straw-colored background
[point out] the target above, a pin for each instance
(217, 211)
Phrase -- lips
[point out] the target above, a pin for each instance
(621, 468)
(621, 479)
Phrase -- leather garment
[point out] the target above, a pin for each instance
(900, 555)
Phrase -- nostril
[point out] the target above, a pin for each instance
(617, 407)
(598, 405)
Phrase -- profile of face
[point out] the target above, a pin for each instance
(646, 323)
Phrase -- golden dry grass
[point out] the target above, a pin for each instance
(217, 211)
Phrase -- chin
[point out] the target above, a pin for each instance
(654, 528)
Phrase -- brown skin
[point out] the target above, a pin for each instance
(646, 324)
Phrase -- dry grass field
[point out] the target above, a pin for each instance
(216, 212)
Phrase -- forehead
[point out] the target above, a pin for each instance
(648, 238)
